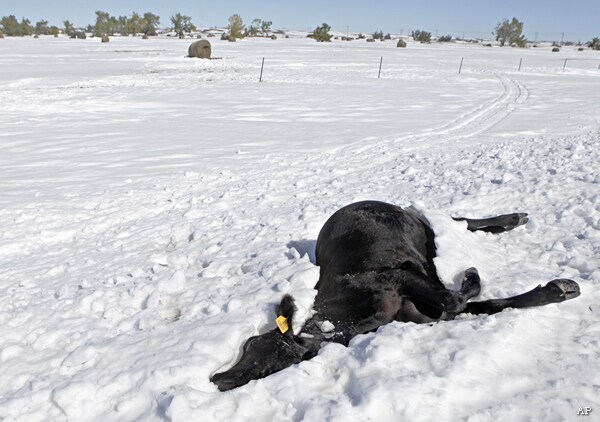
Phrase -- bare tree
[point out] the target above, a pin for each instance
(510, 32)
(321, 33)
(182, 24)
(149, 23)
(236, 26)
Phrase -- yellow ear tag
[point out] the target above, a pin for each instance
(282, 323)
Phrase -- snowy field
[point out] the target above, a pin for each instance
(154, 208)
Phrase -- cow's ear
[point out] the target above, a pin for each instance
(285, 312)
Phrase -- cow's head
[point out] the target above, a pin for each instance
(267, 353)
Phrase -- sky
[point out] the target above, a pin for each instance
(543, 19)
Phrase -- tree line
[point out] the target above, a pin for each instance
(136, 23)
(9, 25)
(105, 25)
(506, 32)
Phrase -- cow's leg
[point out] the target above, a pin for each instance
(555, 291)
(388, 303)
(418, 288)
(471, 284)
(416, 311)
(498, 224)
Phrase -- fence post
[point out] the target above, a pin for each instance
(565, 65)
(461, 62)
(380, 63)
(261, 69)
(520, 61)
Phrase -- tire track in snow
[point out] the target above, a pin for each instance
(474, 122)
(488, 115)
(379, 153)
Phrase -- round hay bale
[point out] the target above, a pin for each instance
(401, 43)
(200, 49)
(199, 36)
(555, 49)
(105, 38)
(580, 49)
(232, 39)
(370, 39)
(273, 37)
(36, 36)
(1, 35)
(144, 37)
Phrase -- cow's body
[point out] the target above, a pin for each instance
(365, 251)
(376, 266)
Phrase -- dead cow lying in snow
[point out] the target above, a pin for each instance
(376, 266)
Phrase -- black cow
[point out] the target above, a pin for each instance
(376, 266)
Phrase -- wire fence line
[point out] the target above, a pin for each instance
(558, 65)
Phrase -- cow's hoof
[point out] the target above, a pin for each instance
(471, 283)
(517, 219)
(454, 302)
(563, 288)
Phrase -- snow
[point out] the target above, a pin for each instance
(154, 208)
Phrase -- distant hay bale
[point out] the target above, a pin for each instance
(555, 49)
(36, 36)
(105, 38)
(273, 37)
(401, 44)
(199, 36)
(232, 39)
(370, 39)
(144, 37)
(200, 49)
(580, 49)
(1, 35)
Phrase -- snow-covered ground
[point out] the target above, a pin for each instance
(154, 208)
